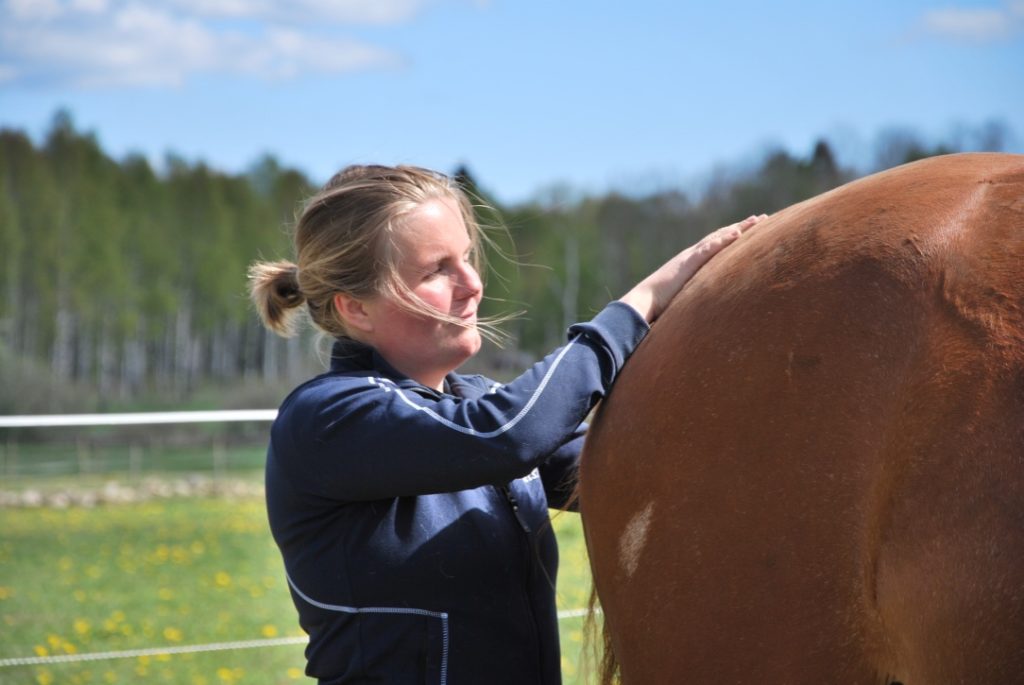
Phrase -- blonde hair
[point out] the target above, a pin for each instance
(345, 243)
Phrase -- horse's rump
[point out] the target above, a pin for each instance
(812, 470)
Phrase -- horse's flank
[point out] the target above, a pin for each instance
(812, 469)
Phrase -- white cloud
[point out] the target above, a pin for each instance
(979, 25)
(89, 6)
(91, 43)
(307, 11)
(32, 10)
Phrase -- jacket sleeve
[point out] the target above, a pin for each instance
(364, 438)
(560, 472)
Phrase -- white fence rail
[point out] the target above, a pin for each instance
(137, 418)
(86, 456)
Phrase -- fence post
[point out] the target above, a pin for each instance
(220, 459)
(82, 449)
(134, 463)
(11, 458)
(156, 445)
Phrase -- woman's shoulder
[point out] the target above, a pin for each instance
(325, 390)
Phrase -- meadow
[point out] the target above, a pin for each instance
(171, 573)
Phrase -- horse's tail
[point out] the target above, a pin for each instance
(608, 668)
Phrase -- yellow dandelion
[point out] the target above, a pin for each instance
(163, 657)
(117, 616)
(81, 626)
(144, 660)
(79, 595)
(127, 630)
(65, 563)
(172, 634)
(200, 680)
(110, 676)
(44, 678)
(269, 631)
(197, 547)
(54, 641)
(165, 593)
(222, 579)
(294, 673)
(69, 648)
(6, 592)
(40, 650)
(225, 674)
(93, 572)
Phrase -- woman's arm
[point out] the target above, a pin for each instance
(363, 437)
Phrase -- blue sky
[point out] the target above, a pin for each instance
(632, 95)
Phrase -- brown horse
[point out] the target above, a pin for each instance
(812, 470)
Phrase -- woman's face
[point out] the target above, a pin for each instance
(433, 260)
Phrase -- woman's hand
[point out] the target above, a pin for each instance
(652, 295)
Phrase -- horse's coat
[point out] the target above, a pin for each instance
(827, 430)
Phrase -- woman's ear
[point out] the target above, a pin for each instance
(353, 313)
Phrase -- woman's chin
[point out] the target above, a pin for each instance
(471, 342)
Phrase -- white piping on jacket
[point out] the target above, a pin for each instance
(385, 610)
(388, 385)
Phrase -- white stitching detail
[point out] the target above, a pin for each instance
(470, 431)
(385, 610)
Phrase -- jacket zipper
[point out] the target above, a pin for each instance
(514, 503)
(506, 490)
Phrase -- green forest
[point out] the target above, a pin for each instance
(123, 285)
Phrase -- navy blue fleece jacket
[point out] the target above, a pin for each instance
(414, 523)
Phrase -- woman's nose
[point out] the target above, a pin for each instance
(468, 279)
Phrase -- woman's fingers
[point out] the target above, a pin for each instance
(651, 296)
(750, 222)
(717, 240)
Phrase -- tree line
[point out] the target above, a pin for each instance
(131, 282)
(124, 280)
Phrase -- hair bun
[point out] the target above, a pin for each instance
(286, 286)
(274, 289)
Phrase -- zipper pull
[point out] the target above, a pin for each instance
(514, 503)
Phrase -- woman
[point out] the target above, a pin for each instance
(410, 503)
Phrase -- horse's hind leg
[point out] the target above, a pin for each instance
(953, 611)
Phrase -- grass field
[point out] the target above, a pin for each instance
(171, 573)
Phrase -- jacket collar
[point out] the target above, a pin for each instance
(351, 355)
(348, 355)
